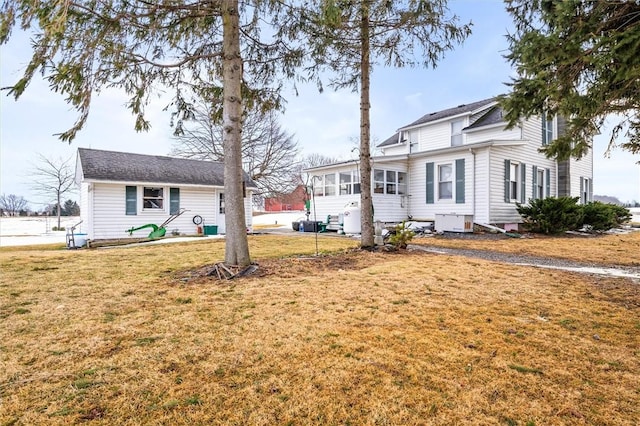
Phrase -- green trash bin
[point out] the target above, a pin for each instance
(211, 230)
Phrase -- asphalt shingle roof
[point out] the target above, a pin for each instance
(460, 109)
(127, 167)
(434, 116)
(493, 116)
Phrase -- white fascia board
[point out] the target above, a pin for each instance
(489, 126)
(460, 148)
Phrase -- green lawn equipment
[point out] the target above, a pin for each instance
(158, 231)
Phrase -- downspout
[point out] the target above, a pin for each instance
(489, 195)
(407, 196)
(473, 187)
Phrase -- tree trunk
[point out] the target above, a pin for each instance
(366, 203)
(237, 245)
(59, 210)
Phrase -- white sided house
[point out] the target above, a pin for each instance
(120, 191)
(460, 165)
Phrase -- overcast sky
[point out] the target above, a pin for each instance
(326, 123)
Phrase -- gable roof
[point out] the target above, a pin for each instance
(450, 112)
(435, 116)
(492, 116)
(127, 167)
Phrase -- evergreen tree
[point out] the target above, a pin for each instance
(578, 59)
(350, 37)
(214, 47)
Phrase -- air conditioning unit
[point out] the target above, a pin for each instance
(452, 222)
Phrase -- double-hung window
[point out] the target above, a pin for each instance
(539, 183)
(586, 190)
(456, 133)
(330, 184)
(547, 129)
(391, 182)
(153, 198)
(514, 181)
(445, 181)
(402, 183)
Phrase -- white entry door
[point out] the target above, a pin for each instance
(220, 215)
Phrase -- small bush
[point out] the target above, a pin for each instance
(56, 228)
(401, 236)
(604, 216)
(551, 215)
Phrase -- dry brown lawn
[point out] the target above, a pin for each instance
(621, 249)
(124, 336)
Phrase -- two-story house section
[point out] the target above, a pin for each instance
(460, 161)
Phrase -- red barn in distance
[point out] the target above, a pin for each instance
(293, 201)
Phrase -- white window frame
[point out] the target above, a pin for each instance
(402, 183)
(151, 202)
(548, 129)
(450, 181)
(389, 182)
(326, 185)
(378, 181)
(456, 132)
(350, 186)
(585, 195)
(514, 180)
(540, 182)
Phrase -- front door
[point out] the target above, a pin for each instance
(220, 215)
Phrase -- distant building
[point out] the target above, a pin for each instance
(293, 201)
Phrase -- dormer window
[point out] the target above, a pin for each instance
(456, 132)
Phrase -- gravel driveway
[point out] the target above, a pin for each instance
(537, 261)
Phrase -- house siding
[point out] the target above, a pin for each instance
(493, 134)
(480, 190)
(437, 136)
(419, 208)
(580, 169)
(111, 221)
(488, 154)
(501, 211)
(86, 215)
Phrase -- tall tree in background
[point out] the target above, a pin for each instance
(53, 178)
(268, 152)
(70, 208)
(351, 37)
(578, 59)
(172, 46)
(13, 204)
